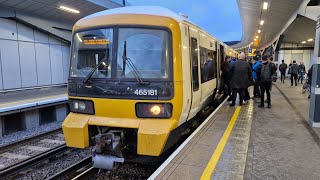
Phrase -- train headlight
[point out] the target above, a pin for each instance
(154, 110)
(81, 106)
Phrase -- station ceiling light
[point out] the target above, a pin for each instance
(64, 8)
(310, 40)
(265, 5)
(257, 37)
(303, 42)
(259, 31)
(261, 22)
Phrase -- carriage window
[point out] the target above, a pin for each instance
(208, 62)
(194, 60)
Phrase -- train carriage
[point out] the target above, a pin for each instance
(138, 76)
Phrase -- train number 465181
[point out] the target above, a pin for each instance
(146, 92)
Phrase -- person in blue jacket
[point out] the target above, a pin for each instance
(256, 88)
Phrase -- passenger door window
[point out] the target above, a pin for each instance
(194, 60)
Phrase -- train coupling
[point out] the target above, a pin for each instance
(107, 152)
(106, 161)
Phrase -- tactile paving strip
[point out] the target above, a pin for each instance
(232, 162)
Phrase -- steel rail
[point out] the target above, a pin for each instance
(20, 166)
(27, 140)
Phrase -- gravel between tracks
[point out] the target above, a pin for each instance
(46, 170)
(127, 171)
(10, 138)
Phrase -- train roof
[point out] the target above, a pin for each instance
(144, 10)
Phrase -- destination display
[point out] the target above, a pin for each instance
(95, 41)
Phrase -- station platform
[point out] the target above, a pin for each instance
(23, 99)
(247, 142)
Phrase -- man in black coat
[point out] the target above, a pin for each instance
(225, 68)
(240, 74)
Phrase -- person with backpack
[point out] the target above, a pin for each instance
(264, 75)
(274, 67)
(240, 74)
(302, 71)
(283, 68)
(294, 72)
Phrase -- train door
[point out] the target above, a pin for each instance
(195, 71)
(220, 61)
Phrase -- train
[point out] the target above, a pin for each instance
(138, 76)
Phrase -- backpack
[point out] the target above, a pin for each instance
(283, 67)
(266, 72)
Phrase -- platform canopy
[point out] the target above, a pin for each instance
(51, 8)
(275, 16)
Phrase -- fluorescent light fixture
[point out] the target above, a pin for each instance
(261, 22)
(265, 5)
(259, 31)
(303, 42)
(78, 37)
(257, 37)
(69, 9)
(310, 40)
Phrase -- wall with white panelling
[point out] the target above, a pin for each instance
(304, 56)
(30, 58)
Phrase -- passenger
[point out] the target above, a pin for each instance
(274, 75)
(264, 75)
(283, 68)
(240, 73)
(225, 68)
(256, 88)
(310, 79)
(294, 69)
(302, 72)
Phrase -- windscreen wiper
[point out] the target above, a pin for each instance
(132, 67)
(106, 58)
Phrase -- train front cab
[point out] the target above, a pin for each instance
(120, 111)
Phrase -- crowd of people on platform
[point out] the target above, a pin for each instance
(239, 75)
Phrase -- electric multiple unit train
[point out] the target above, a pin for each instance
(138, 76)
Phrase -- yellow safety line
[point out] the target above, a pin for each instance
(217, 153)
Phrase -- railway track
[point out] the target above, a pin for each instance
(20, 155)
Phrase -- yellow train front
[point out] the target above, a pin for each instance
(127, 89)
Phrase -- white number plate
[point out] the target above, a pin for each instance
(146, 92)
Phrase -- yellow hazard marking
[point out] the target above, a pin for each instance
(218, 151)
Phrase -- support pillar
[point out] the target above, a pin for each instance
(1, 127)
(31, 119)
(61, 112)
(314, 113)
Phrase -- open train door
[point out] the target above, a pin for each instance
(195, 71)
(221, 56)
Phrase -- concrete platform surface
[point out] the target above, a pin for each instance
(10, 101)
(194, 158)
(276, 143)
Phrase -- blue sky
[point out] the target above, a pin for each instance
(218, 17)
